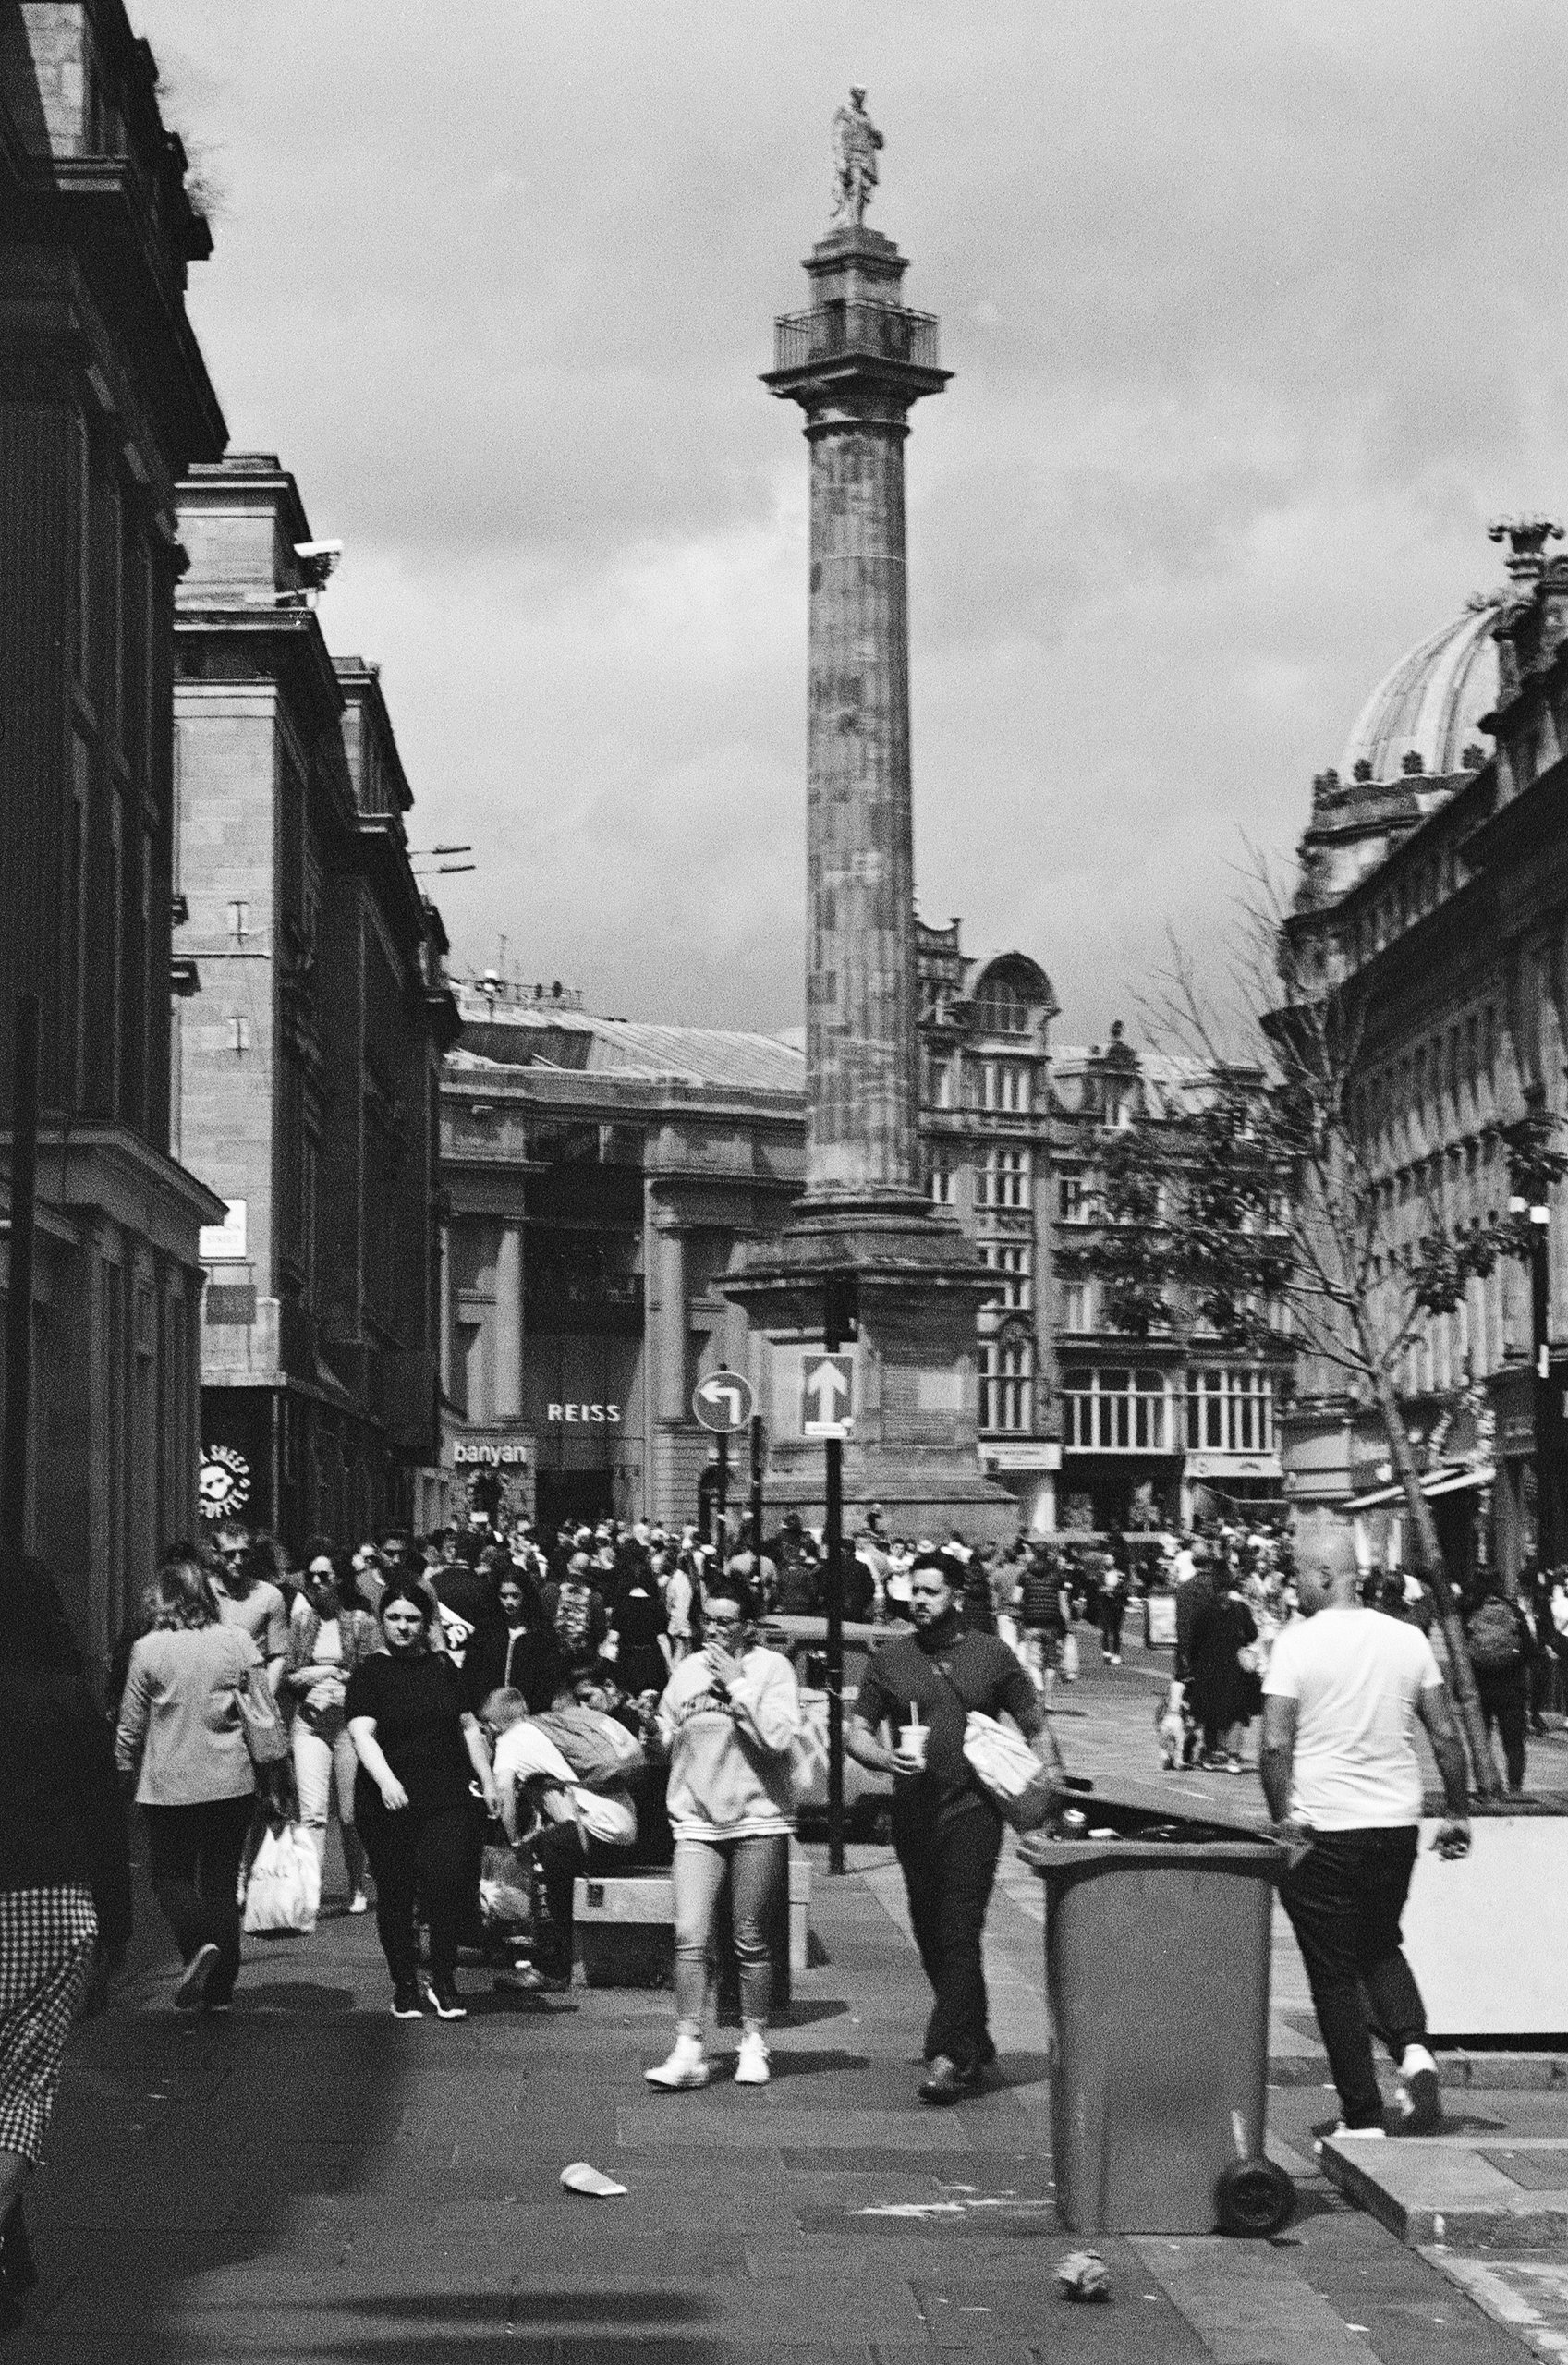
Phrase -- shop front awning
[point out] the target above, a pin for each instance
(1436, 1482)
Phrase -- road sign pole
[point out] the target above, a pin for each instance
(756, 1497)
(834, 1541)
(721, 1497)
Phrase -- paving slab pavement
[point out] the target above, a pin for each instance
(310, 2180)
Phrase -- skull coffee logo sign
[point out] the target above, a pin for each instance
(224, 1483)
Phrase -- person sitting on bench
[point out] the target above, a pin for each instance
(587, 1818)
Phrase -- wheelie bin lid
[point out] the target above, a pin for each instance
(1152, 1828)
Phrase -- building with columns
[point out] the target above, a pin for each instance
(105, 403)
(1433, 889)
(605, 1178)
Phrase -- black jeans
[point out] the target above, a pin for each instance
(561, 1853)
(1503, 1703)
(1112, 1609)
(194, 1858)
(1344, 1900)
(949, 1869)
(416, 1856)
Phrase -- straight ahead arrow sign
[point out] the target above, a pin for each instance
(827, 1390)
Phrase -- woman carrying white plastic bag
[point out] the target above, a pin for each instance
(284, 1889)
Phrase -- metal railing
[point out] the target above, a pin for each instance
(847, 326)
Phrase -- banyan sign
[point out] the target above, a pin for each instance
(475, 1452)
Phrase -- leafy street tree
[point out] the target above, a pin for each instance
(1270, 1204)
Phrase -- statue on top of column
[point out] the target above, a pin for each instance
(855, 142)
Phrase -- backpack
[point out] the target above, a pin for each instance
(1493, 1637)
(601, 1752)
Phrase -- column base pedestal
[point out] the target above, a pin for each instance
(913, 1446)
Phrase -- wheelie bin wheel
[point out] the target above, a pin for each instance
(1254, 2199)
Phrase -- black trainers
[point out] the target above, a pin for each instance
(445, 2002)
(407, 2004)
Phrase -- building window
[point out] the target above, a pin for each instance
(1006, 1085)
(1001, 1009)
(1113, 1411)
(1070, 1201)
(1011, 1260)
(1004, 1179)
(939, 1181)
(1078, 1306)
(1230, 1412)
(1006, 1383)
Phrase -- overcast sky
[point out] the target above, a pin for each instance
(1257, 316)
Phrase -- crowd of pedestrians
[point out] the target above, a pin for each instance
(491, 1712)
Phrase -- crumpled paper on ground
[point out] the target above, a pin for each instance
(583, 2177)
(1083, 2275)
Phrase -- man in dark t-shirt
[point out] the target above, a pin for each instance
(946, 1833)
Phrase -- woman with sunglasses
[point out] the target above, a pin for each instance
(729, 1717)
(420, 1753)
(329, 1634)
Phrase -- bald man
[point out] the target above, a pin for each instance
(1345, 1689)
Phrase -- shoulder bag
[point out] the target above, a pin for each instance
(260, 1721)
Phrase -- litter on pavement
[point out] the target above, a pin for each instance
(582, 2176)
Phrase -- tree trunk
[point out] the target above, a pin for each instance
(1429, 1565)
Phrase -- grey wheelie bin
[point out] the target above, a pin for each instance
(1157, 1956)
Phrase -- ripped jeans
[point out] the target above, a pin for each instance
(757, 1870)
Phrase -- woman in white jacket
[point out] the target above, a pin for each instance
(729, 1717)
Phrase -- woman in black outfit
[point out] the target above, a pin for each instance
(640, 1626)
(515, 1648)
(419, 1750)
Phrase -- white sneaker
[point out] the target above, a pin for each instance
(751, 2062)
(1421, 2101)
(685, 2067)
(359, 1902)
(1354, 2134)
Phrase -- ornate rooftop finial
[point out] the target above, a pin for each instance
(1526, 538)
(855, 142)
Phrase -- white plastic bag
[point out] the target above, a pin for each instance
(284, 1889)
(1070, 1659)
(1008, 1771)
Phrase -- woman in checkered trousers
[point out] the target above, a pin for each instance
(65, 1880)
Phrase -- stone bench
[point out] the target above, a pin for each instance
(625, 1927)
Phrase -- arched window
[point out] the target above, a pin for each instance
(1001, 1008)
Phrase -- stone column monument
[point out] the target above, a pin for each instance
(857, 362)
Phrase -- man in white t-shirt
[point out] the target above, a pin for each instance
(1344, 1690)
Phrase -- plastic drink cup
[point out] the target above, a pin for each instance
(912, 1740)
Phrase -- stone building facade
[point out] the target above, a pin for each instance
(1433, 889)
(604, 1180)
(1155, 1431)
(607, 1179)
(308, 1070)
(105, 403)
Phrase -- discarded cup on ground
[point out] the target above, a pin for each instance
(581, 2177)
(1083, 2275)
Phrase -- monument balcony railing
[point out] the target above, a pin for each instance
(848, 326)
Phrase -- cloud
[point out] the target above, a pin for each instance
(1256, 315)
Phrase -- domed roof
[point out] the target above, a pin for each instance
(1431, 703)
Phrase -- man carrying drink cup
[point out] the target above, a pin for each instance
(946, 1832)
